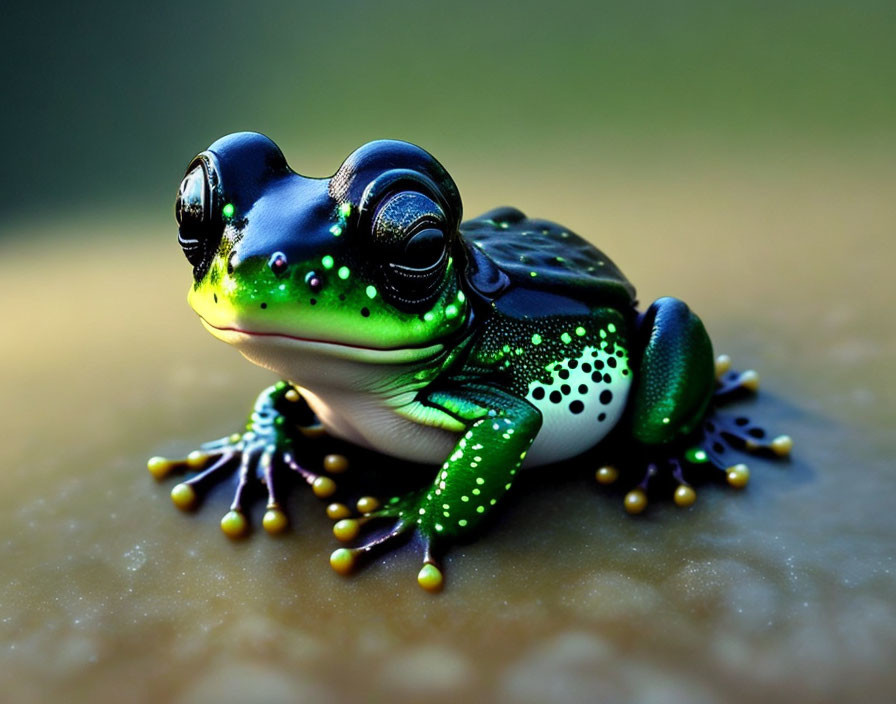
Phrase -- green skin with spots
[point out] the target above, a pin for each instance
(470, 357)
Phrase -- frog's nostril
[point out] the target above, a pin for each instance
(314, 281)
(278, 263)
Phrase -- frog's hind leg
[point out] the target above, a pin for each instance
(674, 416)
(709, 446)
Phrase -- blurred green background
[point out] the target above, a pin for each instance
(106, 102)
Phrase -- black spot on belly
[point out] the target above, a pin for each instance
(538, 393)
(611, 362)
(606, 396)
(264, 305)
(607, 378)
(601, 417)
(597, 377)
(365, 311)
(563, 374)
(565, 389)
(556, 397)
(598, 365)
(573, 363)
(583, 389)
(577, 407)
(586, 368)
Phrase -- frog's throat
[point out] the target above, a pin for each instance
(369, 355)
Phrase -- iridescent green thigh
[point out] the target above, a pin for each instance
(675, 376)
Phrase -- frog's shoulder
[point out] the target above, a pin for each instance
(507, 250)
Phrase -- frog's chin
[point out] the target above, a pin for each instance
(243, 339)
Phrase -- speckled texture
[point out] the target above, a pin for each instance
(781, 593)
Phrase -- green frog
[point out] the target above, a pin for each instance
(473, 348)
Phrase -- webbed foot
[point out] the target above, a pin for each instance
(708, 448)
(264, 453)
(403, 513)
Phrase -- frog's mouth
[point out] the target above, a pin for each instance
(344, 350)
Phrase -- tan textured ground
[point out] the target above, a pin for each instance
(786, 592)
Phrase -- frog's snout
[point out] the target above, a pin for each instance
(200, 223)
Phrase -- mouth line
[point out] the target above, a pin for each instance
(346, 345)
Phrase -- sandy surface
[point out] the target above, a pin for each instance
(785, 592)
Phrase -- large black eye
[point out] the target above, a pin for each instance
(200, 226)
(424, 249)
(409, 240)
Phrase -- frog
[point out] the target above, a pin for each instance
(474, 349)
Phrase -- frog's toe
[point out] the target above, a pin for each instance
(731, 383)
(662, 472)
(403, 513)
(721, 430)
(345, 560)
(430, 577)
(162, 467)
(186, 494)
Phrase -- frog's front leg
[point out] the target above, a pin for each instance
(500, 428)
(265, 452)
(672, 415)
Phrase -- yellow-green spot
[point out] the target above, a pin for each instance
(336, 230)
(428, 316)
(533, 274)
(536, 339)
(451, 311)
(611, 327)
(228, 210)
(371, 291)
(345, 209)
(580, 331)
(462, 522)
(343, 272)
(327, 262)
(480, 509)
(696, 455)
(461, 297)
(603, 333)
(566, 337)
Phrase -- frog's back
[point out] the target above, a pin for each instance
(508, 249)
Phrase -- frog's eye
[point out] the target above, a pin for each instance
(409, 232)
(424, 249)
(200, 224)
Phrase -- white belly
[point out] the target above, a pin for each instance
(357, 400)
(580, 405)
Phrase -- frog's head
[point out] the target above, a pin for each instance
(361, 262)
